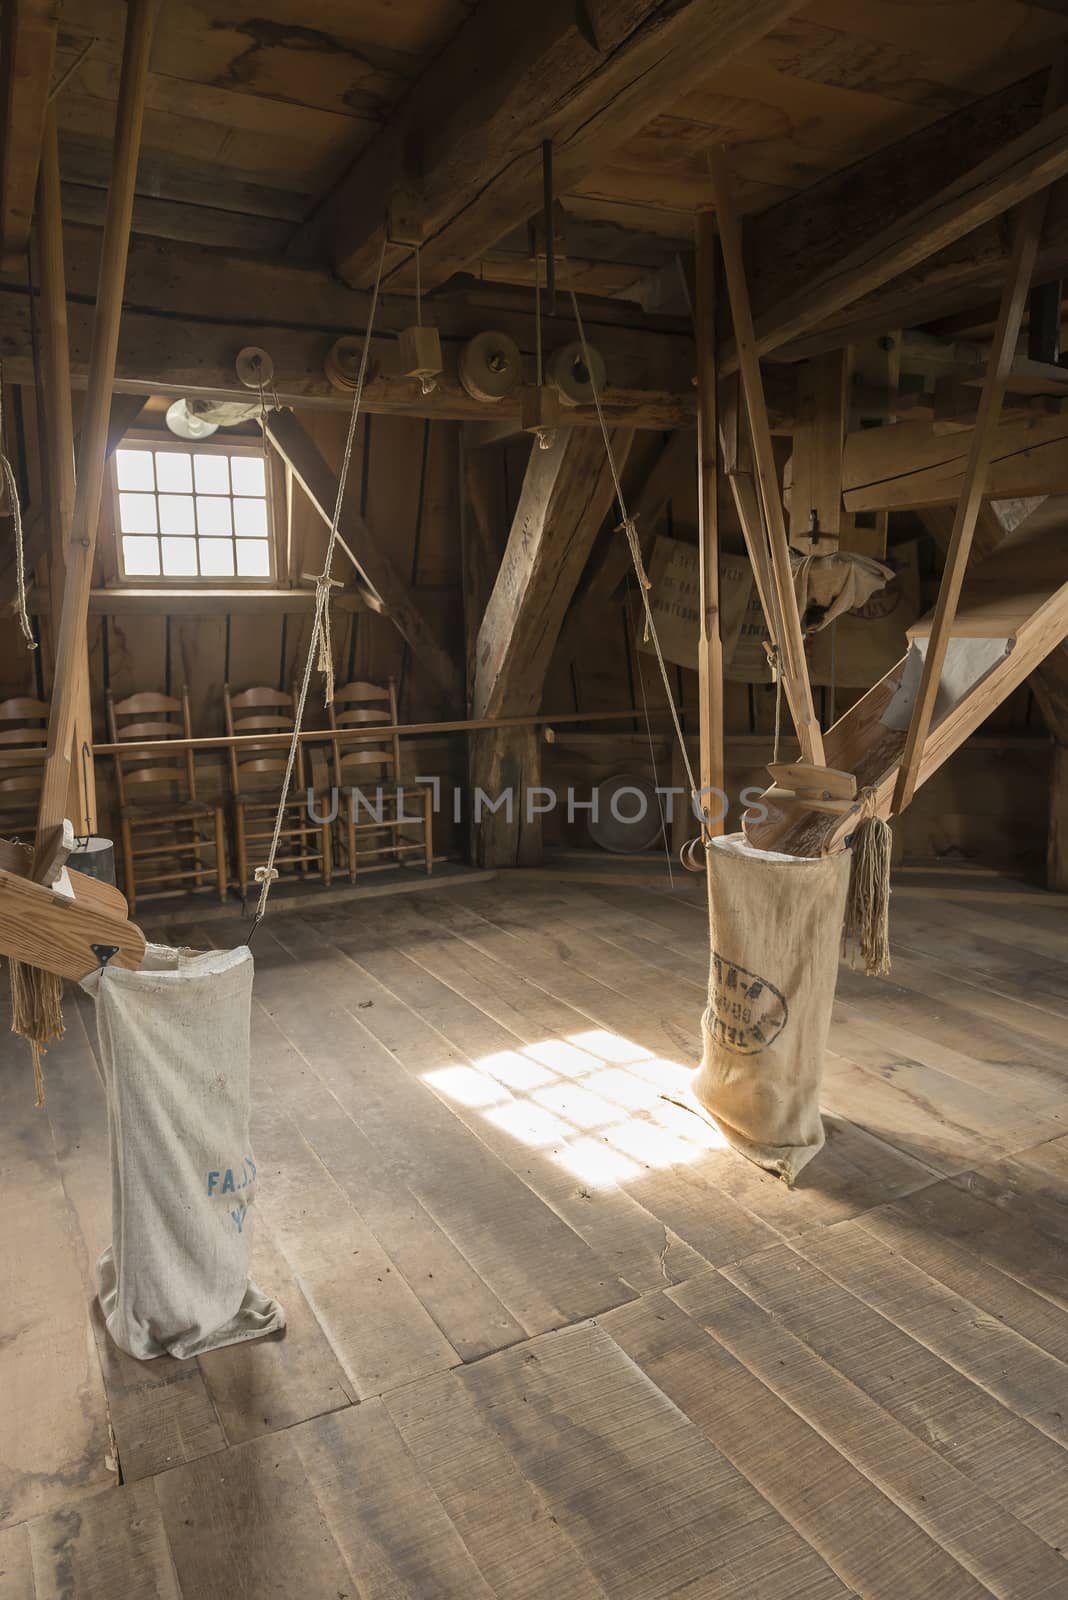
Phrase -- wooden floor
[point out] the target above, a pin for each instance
(546, 1337)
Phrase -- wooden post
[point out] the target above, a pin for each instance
(710, 644)
(1026, 234)
(71, 637)
(786, 624)
(57, 433)
(1057, 857)
(816, 484)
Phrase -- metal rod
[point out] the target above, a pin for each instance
(547, 207)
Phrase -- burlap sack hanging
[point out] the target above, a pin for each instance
(776, 929)
(174, 1047)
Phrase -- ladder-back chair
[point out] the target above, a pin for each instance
(23, 726)
(256, 777)
(161, 817)
(374, 771)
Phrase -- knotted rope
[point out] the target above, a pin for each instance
(629, 526)
(319, 649)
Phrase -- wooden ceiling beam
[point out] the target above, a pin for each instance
(189, 309)
(462, 153)
(27, 52)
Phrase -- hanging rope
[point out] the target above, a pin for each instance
(11, 489)
(320, 634)
(629, 527)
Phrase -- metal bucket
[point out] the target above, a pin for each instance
(95, 857)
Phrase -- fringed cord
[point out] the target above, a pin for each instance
(867, 922)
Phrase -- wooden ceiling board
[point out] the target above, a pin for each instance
(375, 34)
(839, 81)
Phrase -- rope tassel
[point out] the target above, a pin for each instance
(36, 1013)
(867, 920)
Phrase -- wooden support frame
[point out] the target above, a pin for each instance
(784, 620)
(710, 644)
(1026, 233)
(71, 639)
(383, 587)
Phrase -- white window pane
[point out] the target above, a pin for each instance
(248, 475)
(216, 558)
(174, 471)
(213, 515)
(134, 469)
(253, 558)
(140, 557)
(137, 513)
(250, 519)
(176, 514)
(179, 557)
(212, 474)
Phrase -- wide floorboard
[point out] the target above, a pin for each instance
(547, 1337)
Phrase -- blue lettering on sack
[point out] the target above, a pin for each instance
(239, 1218)
(225, 1182)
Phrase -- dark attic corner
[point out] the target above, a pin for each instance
(533, 799)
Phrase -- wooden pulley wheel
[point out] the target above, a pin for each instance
(254, 367)
(490, 366)
(692, 854)
(342, 363)
(570, 375)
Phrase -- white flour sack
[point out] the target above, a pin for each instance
(776, 932)
(174, 1047)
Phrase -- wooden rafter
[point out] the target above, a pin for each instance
(383, 587)
(461, 157)
(27, 51)
(1026, 230)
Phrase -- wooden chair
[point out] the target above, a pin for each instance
(256, 780)
(370, 769)
(23, 724)
(163, 827)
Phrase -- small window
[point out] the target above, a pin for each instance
(193, 515)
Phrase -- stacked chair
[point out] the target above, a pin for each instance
(256, 779)
(396, 821)
(170, 837)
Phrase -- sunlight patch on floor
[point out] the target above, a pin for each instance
(595, 1103)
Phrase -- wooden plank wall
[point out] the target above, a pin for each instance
(406, 470)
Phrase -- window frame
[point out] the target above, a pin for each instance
(149, 440)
